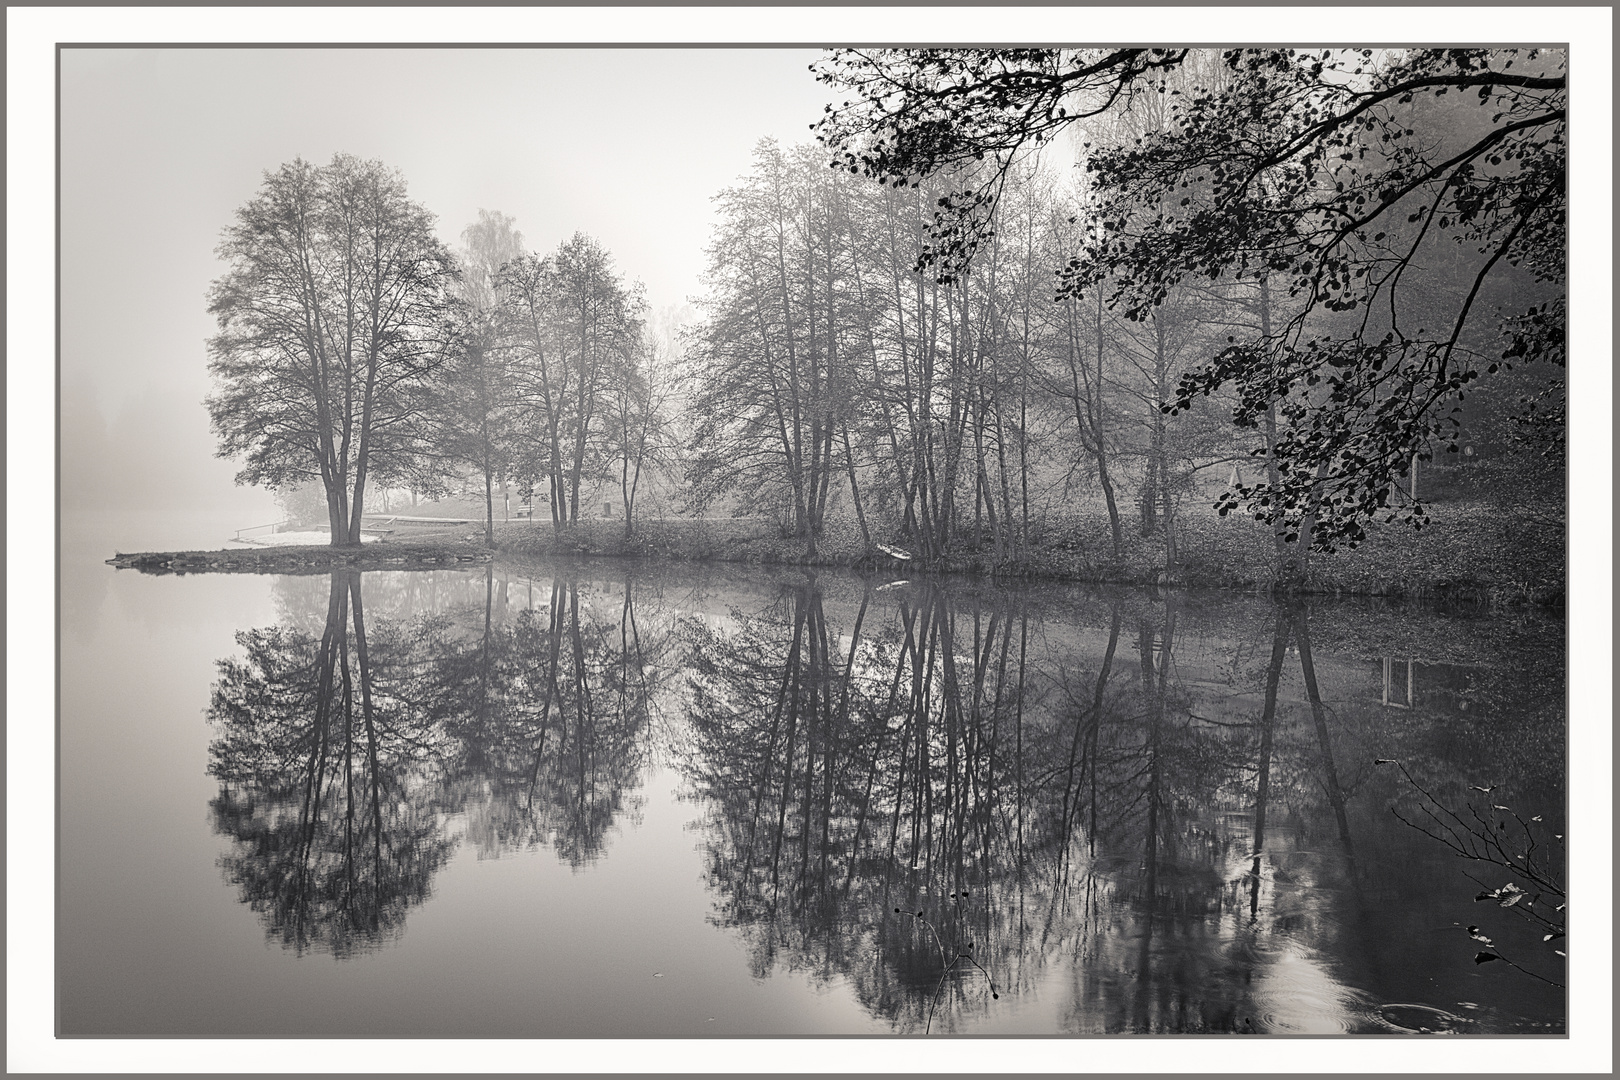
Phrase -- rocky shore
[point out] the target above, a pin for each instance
(419, 555)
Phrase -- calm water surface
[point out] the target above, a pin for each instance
(605, 799)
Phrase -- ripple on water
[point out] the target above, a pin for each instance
(1421, 1020)
(1298, 996)
(1304, 1014)
(1251, 951)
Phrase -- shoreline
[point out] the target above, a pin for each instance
(1331, 576)
(306, 559)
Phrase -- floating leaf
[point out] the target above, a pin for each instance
(1485, 957)
(1473, 932)
(1476, 787)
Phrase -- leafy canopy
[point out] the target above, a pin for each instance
(1388, 200)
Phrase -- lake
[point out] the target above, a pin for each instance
(615, 799)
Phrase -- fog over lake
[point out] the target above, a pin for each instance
(602, 798)
(672, 554)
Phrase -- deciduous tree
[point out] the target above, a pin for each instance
(1334, 174)
(576, 326)
(477, 404)
(331, 323)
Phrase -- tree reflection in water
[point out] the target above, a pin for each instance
(861, 816)
(958, 778)
(330, 801)
(551, 714)
(352, 764)
(1135, 813)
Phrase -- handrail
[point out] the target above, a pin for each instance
(410, 520)
(251, 528)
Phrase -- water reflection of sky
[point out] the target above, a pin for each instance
(1296, 994)
(626, 839)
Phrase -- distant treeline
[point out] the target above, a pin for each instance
(1279, 281)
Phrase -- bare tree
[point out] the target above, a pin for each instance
(576, 325)
(477, 390)
(640, 432)
(766, 409)
(331, 323)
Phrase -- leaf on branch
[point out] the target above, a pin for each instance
(1506, 896)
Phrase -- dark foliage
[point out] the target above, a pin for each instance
(1391, 199)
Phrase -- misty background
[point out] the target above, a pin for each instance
(159, 147)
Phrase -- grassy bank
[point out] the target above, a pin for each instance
(1467, 553)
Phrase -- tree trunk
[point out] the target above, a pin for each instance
(336, 519)
(489, 506)
(1095, 412)
(1167, 500)
(1273, 479)
(1161, 445)
(1307, 524)
(855, 490)
(362, 457)
(624, 493)
(1113, 507)
(1150, 488)
(554, 478)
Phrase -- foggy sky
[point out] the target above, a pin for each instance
(160, 146)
